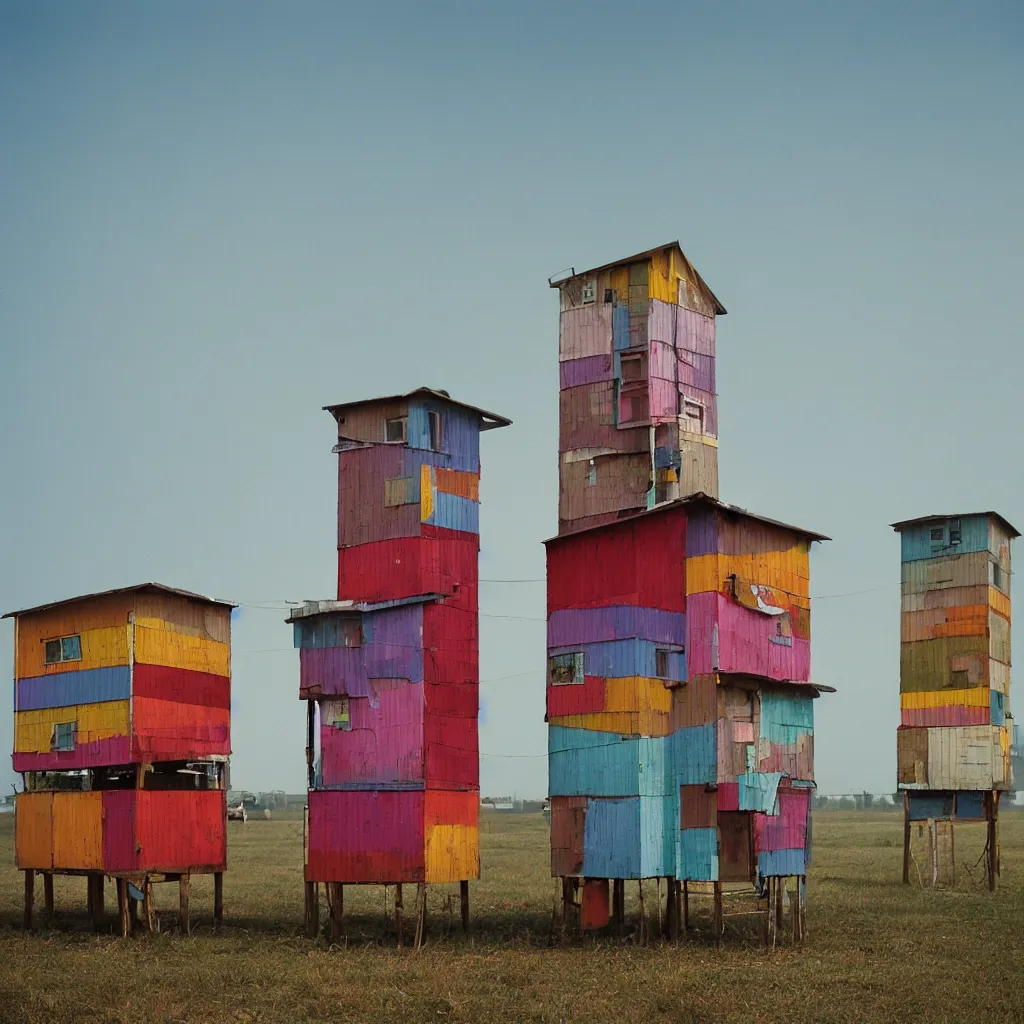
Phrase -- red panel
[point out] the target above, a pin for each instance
(365, 836)
(573, 699)
(728, 796)
(594, 904)
(461, 699)
(181, 685)
(119, 852)
(450, 639)
(166, 731)
(637, 562)
(445, 807)
(177, 830)
(451, 752)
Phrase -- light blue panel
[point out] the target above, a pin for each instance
(655, 753)
(659, 824)
(698, 855)
(998, 705)
(620, 327)
(615, 659)
(695, 755)
(62, 689)
(759, 790)
(781, 862)
(460, 433)
(611, 838)
(586, 763)
(786, 717)
(916, 541)
(454, 513)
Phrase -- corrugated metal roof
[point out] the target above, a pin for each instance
(780, 684)
(141, 587)
(921, 520)
(719, 308)
(312, 609)
(695, 499)
(491, 420)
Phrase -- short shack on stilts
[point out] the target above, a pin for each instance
(954, 740)
(390, 670)
(122, 736)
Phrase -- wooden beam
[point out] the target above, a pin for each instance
(218, 898)
(122, 906)
(183, 894)
(464, 905)
(312, 910)
(618, 904)
(336, 909)
(906, 838)
(719, 920)
(30, 893)
(398, 913)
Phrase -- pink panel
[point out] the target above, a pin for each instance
(586, 331)
(786, 830)
(701, 624)
(662, 361)
(114, 750)
(385, 742)
(948, 716)
(682, 328)
(746, 643)
(119, 852)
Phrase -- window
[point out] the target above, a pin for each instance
(638, 408)
(591, 473)
(633, 369)
(589, 292)
(63, 736)
(663, 664)
(565, 668)
(997, 575)
(955, 534)
(693, 417)
(396, 430)
(938, 534)
(336, 714)
(436, 432)
(401, 490)
(66, 648)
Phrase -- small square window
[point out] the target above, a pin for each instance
(633, 369)
(565, 669)
(589, 292)
(396, 430)
(52, 652)
(63, 736)
(955, 534)
(436, 432)
(663, 664)
(938, 534)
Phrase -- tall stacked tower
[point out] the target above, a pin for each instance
(954, 740)
(122, 731)
(679, 698)
(390, 669)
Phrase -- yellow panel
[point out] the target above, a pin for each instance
(623, 723)
(637, 693)
(976, 697)
(78, 830)
(619, 284)
(999, 602)
(181, 615)
(452, 853)
(176, 650)
(101, 648)
(661, 281)
(426, 494)
(780, 570)
(33, 730)
(33, 830)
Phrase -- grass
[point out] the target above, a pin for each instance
(877, 951)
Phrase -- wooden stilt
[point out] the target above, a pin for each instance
(803, 908)
(398, 912)
(148, 911)
(679, 909)
(218, 898)
(133, 910)
(183, 886)
(906, 838)
(719, 922)
(122, 905)
(421, 915)
(992, 839)
(619, 904)
(769, 917)
(336, 909)
(643, 911)
(30, 893)
(686, 905)
(48, 897)
(670, 909)
(995, 809)
(312, 910)
(464, 905)
(94, 888)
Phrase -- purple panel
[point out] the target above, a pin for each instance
(119, 852)
(786, 830)
(745, 642)
(95, 754)
(574, 372)
(618, 622)
(385, 742)
(682, 328)
(395, 651)
(701, 532)
(586, 331)
(697, 371)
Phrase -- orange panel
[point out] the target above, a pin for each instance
(451, 807)
(78, 831)
(33, 830)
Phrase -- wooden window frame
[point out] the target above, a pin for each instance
(403, 421)
(61, 641)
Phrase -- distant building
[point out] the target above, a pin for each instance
(955, 737)
(122, 731)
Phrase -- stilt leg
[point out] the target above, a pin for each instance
(218, 898)
(398, 912)
(148, 912)
(133, 910)
(336, 905)
(643, 911)
(619, 904)
(992, 839)
(30, 894)
(97, 903)
(719, 923)
(670, 909)
(421, 914)
(122, 905)
(686, 905)
(464, 905)
(48, 897)
(906, 839)
(312, 910)
(183, 886)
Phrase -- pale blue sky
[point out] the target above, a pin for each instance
(216, 218)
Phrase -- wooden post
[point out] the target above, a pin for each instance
(906, 838)
(398, 912)
(679, 908)
(336, 909)
(30, 893)
(133, 910)
(148, 911)
(992, 838)
(183, 883)
(312, 910)
(421, 914)
(464, 905)
(933, 831)
(218, 898)
(671, 911)
(801, 905)
(619, 904)
(686, 905)
(310, 743)
(643, 911)
(719, 922)
(995, 814)
(122, 906)
(769, 917)
(95, 888)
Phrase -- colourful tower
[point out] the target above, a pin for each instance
(954, 741)
(680, 701)
(122, 731)
(390, 668)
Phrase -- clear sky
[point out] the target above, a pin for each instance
(217, 218)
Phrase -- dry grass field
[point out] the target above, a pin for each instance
(876, 951)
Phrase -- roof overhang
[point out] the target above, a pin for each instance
(157, 588)
(488, 420)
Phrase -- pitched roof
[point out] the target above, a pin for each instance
(139, 588)
(920, 521)
(719, 308)
(491, 420)
(695, 499)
